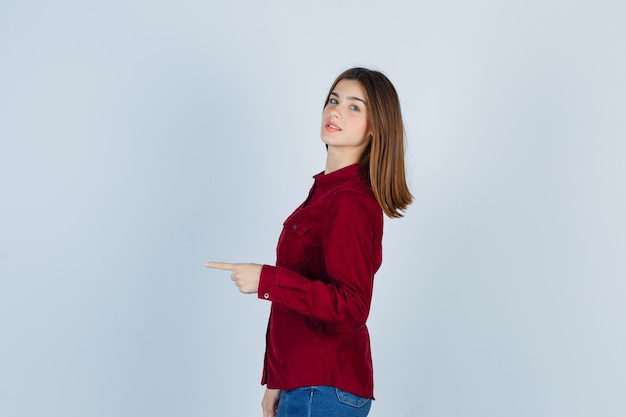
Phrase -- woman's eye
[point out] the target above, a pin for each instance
(355, 108)
(333, 101)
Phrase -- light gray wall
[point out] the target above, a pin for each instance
(139, 139)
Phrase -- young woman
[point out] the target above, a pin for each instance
(318, 360)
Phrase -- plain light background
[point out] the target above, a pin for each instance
(142, 138)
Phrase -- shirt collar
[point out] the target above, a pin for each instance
(325, 181)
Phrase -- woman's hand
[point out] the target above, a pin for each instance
(245, 276)
(270, 402)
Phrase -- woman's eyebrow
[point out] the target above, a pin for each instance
(349, 98)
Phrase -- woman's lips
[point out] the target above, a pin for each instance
(331, 127)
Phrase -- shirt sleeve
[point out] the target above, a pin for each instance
(352, 235)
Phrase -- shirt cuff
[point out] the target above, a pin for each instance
(267, 282)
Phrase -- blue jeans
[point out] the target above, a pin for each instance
(322, 402)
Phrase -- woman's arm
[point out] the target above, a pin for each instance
(352, 254)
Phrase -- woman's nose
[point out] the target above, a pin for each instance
(336, 113)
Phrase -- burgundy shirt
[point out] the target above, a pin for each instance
(321, 288)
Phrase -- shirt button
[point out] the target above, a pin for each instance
(266, 296)
(293, 226)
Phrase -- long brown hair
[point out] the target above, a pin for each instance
(383, 159)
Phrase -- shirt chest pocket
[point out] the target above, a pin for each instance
(301, 232)
(297, 228)
(299, 242)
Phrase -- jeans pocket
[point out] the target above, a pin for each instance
(352, 400)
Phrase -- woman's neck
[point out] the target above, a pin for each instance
(335, 159)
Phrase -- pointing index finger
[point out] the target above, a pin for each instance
(220, 265)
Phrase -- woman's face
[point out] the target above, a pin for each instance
(344, 119)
